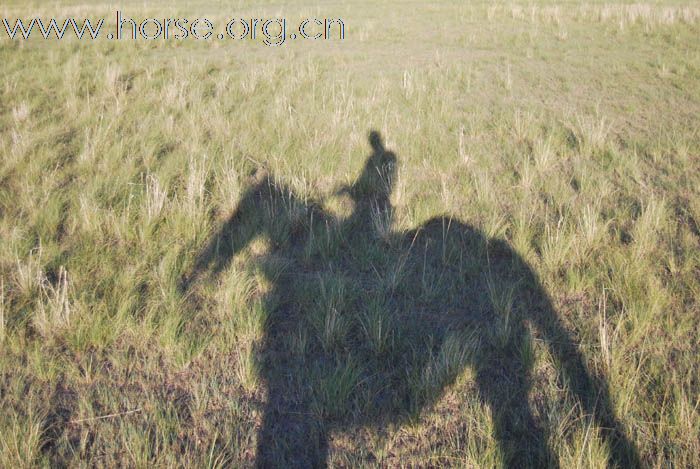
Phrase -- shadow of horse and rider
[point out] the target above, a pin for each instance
(374, 307)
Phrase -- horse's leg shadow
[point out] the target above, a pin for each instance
(504, 382)
(290, 436)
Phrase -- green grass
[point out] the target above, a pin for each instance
(198, 269)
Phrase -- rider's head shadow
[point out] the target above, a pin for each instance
(371, 191)
(376, 181)
(444, 275)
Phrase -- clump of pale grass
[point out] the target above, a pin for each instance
(461, 147)
(591, 230)
(407, 83)
(54, 309)
(29, 276)
(648, 226)
(623, 15)
(496, 224)
(587, 449)
(21, 440)
(19, 144)
(112, 81)
(647, 15)
(543, 154)
(192, 200)
(557, 246)
(156, 197)
(95, 138)
(523, 124)
(592, 132)
(175, 93)
(20, 113)
(227, 182)
(90, 215)
(527, 175)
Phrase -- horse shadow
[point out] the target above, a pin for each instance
(368, 325)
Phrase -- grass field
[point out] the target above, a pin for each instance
(466, 235)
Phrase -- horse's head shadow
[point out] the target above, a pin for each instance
(369, 330)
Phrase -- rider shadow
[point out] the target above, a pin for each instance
(367, 326)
